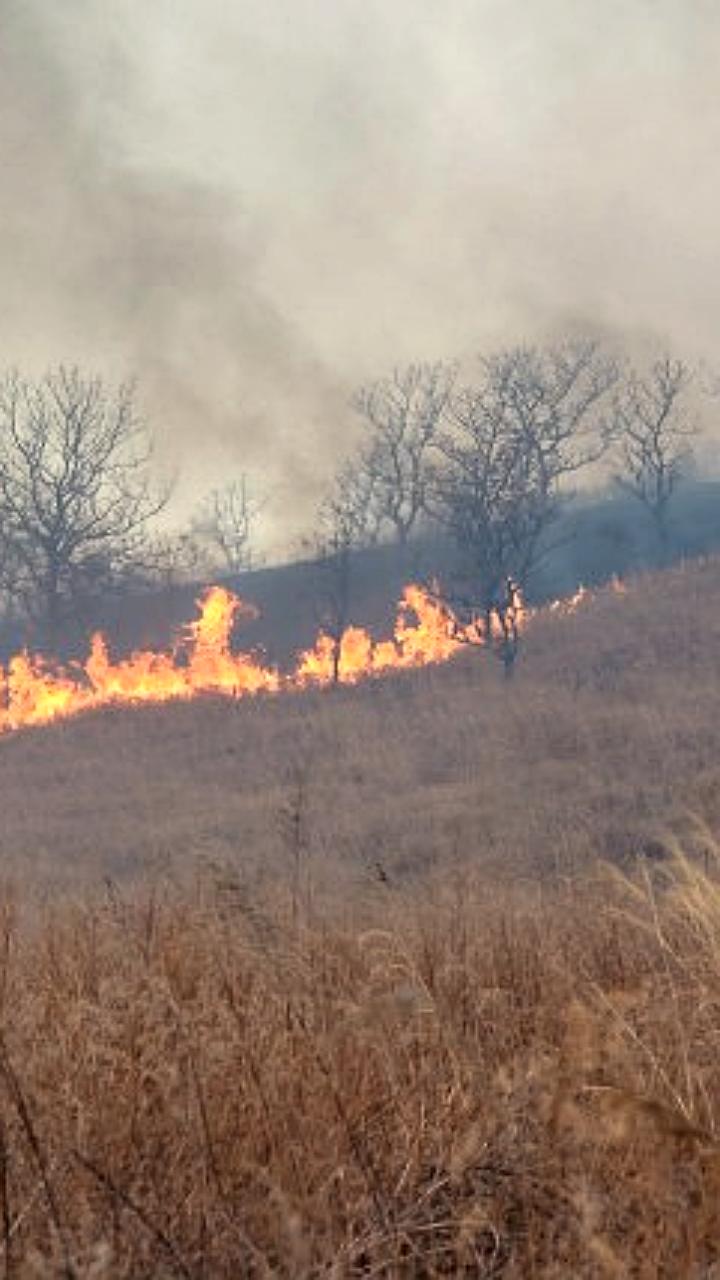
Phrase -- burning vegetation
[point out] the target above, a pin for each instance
(36, 690)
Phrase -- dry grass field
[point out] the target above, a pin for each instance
(419, 978)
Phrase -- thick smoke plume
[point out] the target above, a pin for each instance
(253, 207)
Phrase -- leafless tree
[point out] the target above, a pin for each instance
(653, 423)
(528, 425)
(402, 414)
(226, 524)
(345, 525)
(172, 558)
(76, 493)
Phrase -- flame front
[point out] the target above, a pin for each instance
(434, 637)
(35, 691)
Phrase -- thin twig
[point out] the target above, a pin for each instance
(23, 1111)
(127, 1200)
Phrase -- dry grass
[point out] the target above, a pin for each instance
(195, 1086)
(336, 986)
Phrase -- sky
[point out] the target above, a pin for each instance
(256, 207)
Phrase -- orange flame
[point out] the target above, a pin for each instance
(35, 691)
(434, 637)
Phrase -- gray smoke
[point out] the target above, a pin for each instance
(255, 206)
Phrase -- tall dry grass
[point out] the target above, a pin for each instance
(195, 1085)
(419, 979)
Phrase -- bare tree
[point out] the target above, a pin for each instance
(531, 422)
(76, 493)
(226, 524)
(345, 525)
(173, 557)
(653, 422)
(402, 414)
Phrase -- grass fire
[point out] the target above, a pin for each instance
(35, 690)
(359, 868)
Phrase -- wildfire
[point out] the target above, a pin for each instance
(34, 690)
(433, 637)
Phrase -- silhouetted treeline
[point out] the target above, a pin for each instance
(470, 476)
(598, 536)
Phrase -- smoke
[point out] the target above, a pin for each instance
(254, 207)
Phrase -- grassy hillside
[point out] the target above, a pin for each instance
(608, 733)
(407, 979)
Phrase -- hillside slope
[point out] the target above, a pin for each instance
(323, 986)
(608, 734)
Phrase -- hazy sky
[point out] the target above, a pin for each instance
(255, 205)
